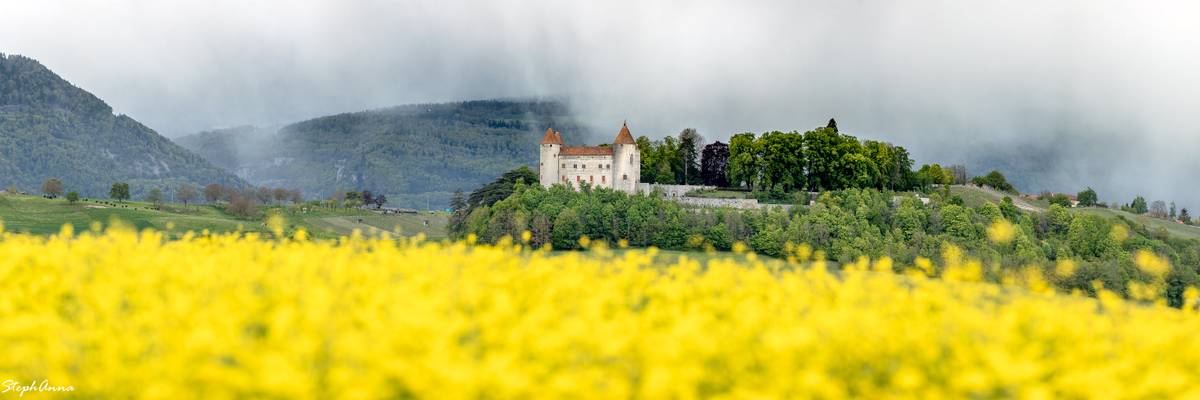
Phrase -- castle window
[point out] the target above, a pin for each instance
(624, 177)
(576, 166)
(577, 178)
(591, 179)
(607, 166)
(564, 165)
(602, 179)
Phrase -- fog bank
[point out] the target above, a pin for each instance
(1064, 94)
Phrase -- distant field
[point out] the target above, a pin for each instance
(432, 225)
(36, 215)
(976, 196)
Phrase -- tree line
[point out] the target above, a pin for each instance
(784, 162)
(842, 225)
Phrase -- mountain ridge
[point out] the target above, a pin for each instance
(50, 128)
(416, 154)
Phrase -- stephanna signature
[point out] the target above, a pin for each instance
(11, 386)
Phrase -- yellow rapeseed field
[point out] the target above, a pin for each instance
(124, 314)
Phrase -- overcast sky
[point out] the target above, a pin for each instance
(1112, 86)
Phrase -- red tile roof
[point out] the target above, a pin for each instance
(586, 151)
(551, 137)
(624, 137)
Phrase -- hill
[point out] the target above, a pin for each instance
(415, 154)
(975, 196)
(39, 216)
(50, 128)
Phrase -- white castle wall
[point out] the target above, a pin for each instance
(627, 162)
(597, 170)
(548, 164)
(678, 194)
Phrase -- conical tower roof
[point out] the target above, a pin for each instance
(624, 137)
(551, 137)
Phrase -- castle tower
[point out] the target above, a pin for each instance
(548, 165)
(627, 161)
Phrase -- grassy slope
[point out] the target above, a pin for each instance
(1174, 228)
(36, 215)
(720, 194)
(974, 197)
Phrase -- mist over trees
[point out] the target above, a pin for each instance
(412, 154)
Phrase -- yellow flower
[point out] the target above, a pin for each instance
(1152, 264)
(1064, 268)
(1001, 231)
(243, 315)
(1119, 233)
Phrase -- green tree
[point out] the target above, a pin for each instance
(119, 191)
(1010, 210)
(690, 146)
(1139, 205)
(73, 197)
(909, 218)
(567, 230)
(743, 160)
(990, 212)
(768, 241)
(1088, 236)
(782, 160)
(881, 155)
(649, 167)
(502, 187)
(859, 171)
(995, 180)
(1058, 219)
(957, 223)
(901, 171)
(1060, 199)
(1087, 198)
(826, 159)
(933, 174)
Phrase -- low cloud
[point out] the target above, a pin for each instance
(1098, 93)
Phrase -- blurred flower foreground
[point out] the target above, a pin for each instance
(123, 314)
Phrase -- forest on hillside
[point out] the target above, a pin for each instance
(1080, 251)
(50, 128)
(415, 154)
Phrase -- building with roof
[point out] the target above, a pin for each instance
(615, 166)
